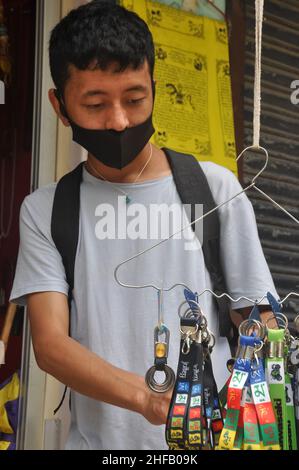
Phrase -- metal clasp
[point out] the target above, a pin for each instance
(161, 347)
(161, 353)
(188, 335)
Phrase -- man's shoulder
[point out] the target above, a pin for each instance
(223, 182)
(216, 172)
(40, 202)
(42, 195)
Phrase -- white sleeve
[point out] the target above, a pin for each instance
(245, 268)
(39, 266)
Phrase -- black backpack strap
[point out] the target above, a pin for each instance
(193, 188)
(65, 229)
(65, 221)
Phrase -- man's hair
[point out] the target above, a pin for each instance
(96, 35)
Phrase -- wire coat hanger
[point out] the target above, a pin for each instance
(259, 7)
(158, 288)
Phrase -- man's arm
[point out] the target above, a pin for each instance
(82, 370)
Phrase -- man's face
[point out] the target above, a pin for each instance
(96, 99)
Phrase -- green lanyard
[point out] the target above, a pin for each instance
(276, 380)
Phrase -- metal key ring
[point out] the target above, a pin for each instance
(283, 319)
(160, 387)
(245, 326)
(259, 347)
(188, 313)
(212, 337)
(189, 308)
(203, 322)
(205, 337)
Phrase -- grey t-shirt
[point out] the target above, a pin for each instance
(117, 323)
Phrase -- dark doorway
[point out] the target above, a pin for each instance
(16, 123)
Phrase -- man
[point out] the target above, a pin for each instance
(102, 63)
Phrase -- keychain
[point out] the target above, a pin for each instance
(194, 419)
(161, 348)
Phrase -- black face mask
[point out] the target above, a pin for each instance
(113, 148)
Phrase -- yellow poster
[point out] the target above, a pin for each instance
(193, 109)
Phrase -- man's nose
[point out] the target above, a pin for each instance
(117, 120)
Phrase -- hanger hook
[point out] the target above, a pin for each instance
(256, 148)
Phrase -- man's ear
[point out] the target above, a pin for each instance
(56, 104)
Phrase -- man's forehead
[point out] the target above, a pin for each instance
(91, 82)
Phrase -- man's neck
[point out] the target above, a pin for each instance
(157, 167)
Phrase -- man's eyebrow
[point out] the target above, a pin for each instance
(94, 93)
(102, 92)
(136, 88)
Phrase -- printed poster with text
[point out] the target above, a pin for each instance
(193, 109)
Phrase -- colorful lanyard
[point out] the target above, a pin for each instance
(262, 394)
(237, 382)
(288, 421)
(184, 422)
(250, 421)
(212, 407)
(251, 436)
(276, 380)
(194, 417)
(263, 406)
